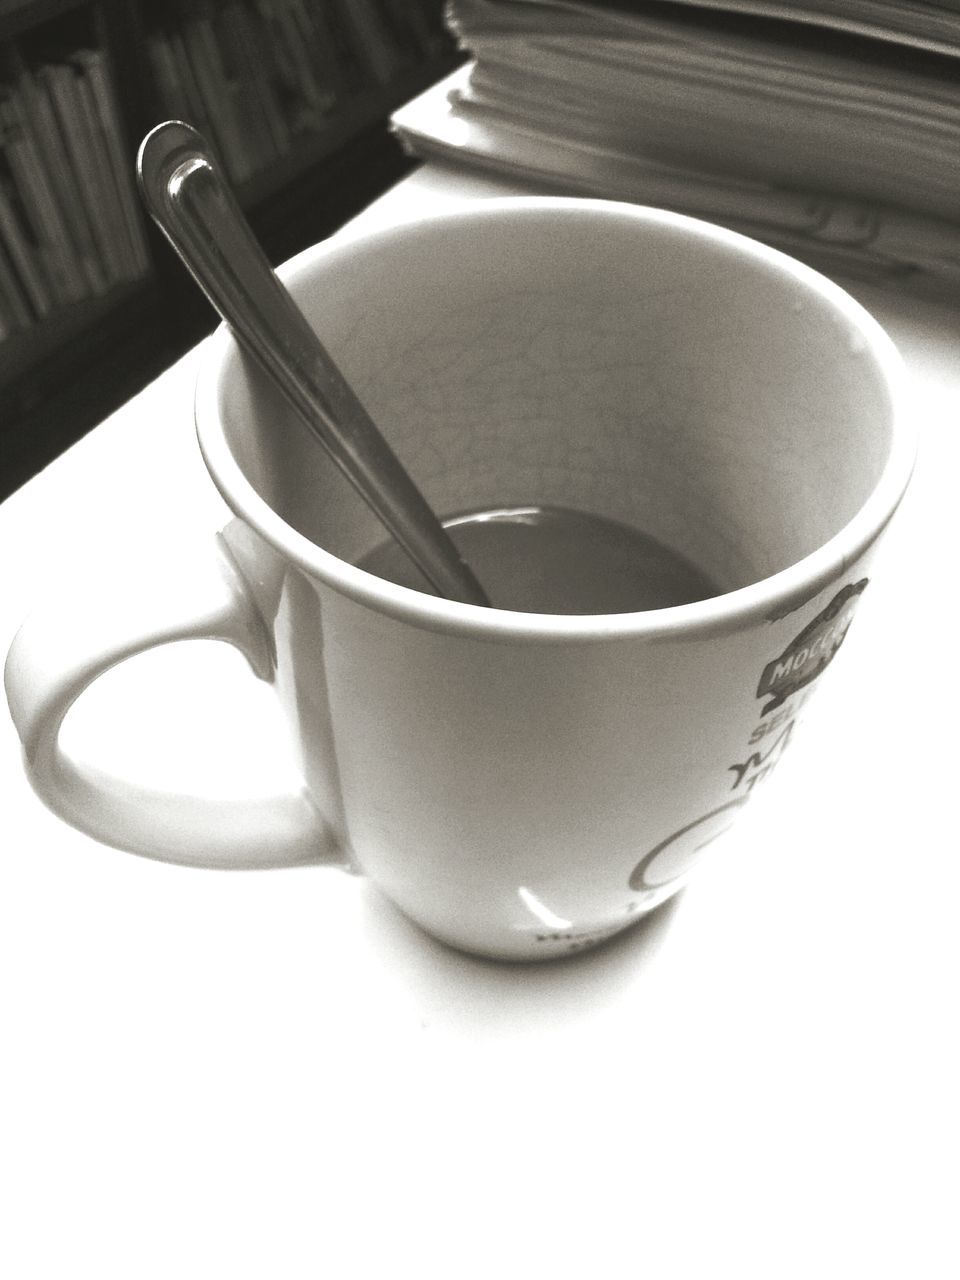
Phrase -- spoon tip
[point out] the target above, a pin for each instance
(162, 149)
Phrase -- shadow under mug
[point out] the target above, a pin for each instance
(522, 785)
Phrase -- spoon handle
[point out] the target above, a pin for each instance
(198, 213)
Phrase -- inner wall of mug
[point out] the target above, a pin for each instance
(596, 358)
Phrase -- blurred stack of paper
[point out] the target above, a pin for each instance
(830, 129)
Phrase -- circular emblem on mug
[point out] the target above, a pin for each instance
(812, 651)
(673, 857)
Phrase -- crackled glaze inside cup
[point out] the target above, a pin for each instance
(583, 356)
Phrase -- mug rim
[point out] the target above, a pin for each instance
(770, 597)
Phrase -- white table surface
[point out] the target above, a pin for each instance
(272, 1074)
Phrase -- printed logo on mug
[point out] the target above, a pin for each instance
(809, 653)
(668, 450)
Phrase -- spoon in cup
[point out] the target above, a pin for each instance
(196, 210)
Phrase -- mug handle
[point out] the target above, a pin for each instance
(59, 652)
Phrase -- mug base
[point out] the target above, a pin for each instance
(540, 947)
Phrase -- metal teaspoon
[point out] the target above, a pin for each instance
(198, 213)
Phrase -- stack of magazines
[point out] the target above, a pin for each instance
(829, 129)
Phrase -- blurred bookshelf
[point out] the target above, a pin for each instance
(294, 96)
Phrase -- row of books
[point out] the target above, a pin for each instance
(829, 129)
(254, 75)
(70, 226)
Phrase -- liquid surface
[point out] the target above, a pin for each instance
(555, 560)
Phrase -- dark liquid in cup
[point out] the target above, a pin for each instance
(554, 560)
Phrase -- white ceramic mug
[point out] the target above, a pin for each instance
(522, 785)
